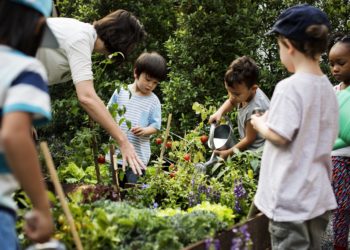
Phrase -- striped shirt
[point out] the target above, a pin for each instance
(23, 88)
(142, 111)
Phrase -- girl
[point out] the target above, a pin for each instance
(339, 59)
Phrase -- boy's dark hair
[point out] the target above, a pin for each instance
(120, 31)
(316, 43)
(242, 70)
(338, 37)
(152, 64)
(18, 25)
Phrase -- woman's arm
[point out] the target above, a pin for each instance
(94, 106)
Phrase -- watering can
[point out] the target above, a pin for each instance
(220, 138)
(50, 245)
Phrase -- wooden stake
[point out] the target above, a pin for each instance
(54, 177)
(111, 154)
(115, 166)
(164, 142)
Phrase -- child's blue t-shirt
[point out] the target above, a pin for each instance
(23, 88)
(142, 111)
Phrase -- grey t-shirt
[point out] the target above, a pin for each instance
(295, 179)
(244, 113)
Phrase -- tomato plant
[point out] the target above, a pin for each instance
(159, 141)
(101, 159)
(168, 144)
(187, 157)
(204, 139)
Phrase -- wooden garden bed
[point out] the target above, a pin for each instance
(257, 227)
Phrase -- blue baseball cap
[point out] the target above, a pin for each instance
(45, 8)
(293, 22)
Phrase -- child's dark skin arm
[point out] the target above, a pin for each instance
(22, 157)
(244, 143)
(226, 107)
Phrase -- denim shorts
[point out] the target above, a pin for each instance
(8, 234)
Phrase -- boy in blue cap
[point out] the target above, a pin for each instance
(294, 189)
(24, 102)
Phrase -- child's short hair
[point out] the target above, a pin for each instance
(120, 31)
(18, 25)
(316, 45)
(152, 64)
(338, 37)
(242, 70)
(306, 27)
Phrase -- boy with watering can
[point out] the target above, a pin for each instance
(244, 94)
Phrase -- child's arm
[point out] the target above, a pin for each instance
(22, 157)
(250, 136)
(225, 108)
(147, 131)
(259, 123)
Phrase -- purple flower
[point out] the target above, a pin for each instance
(192, 199)
(202, 189)
(217, 244)
(236, 244)
(238, 206)
(155, 205)
(244, 230)
(144, 186)
(216, 196)
(239, 190)
(207, 243)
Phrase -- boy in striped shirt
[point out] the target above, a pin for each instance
(142, 106)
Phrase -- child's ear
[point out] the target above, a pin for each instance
(289, 46)
(255, 87)
(135, 74)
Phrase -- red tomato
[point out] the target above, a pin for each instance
(101, 159)
(204, 138)
(168, 144)
(171, 167)
(187, 157)
(159, 141)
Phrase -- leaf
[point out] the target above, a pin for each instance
(216, 167)
(255, 163)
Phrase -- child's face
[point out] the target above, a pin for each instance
(145, 83)
(240, 92)
(339, 60)
(284, 56)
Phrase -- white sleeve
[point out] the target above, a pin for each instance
(79, 57)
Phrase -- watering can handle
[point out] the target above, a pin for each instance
(228, 121)
(211, 135)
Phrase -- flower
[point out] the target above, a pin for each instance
(239, 190)
(144, 186)
(238, 206)
(155, 205)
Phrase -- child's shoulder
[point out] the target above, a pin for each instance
(13, 63)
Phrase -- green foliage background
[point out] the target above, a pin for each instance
(199, 39)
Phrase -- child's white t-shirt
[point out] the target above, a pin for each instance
(72, 60)
(295, 179)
